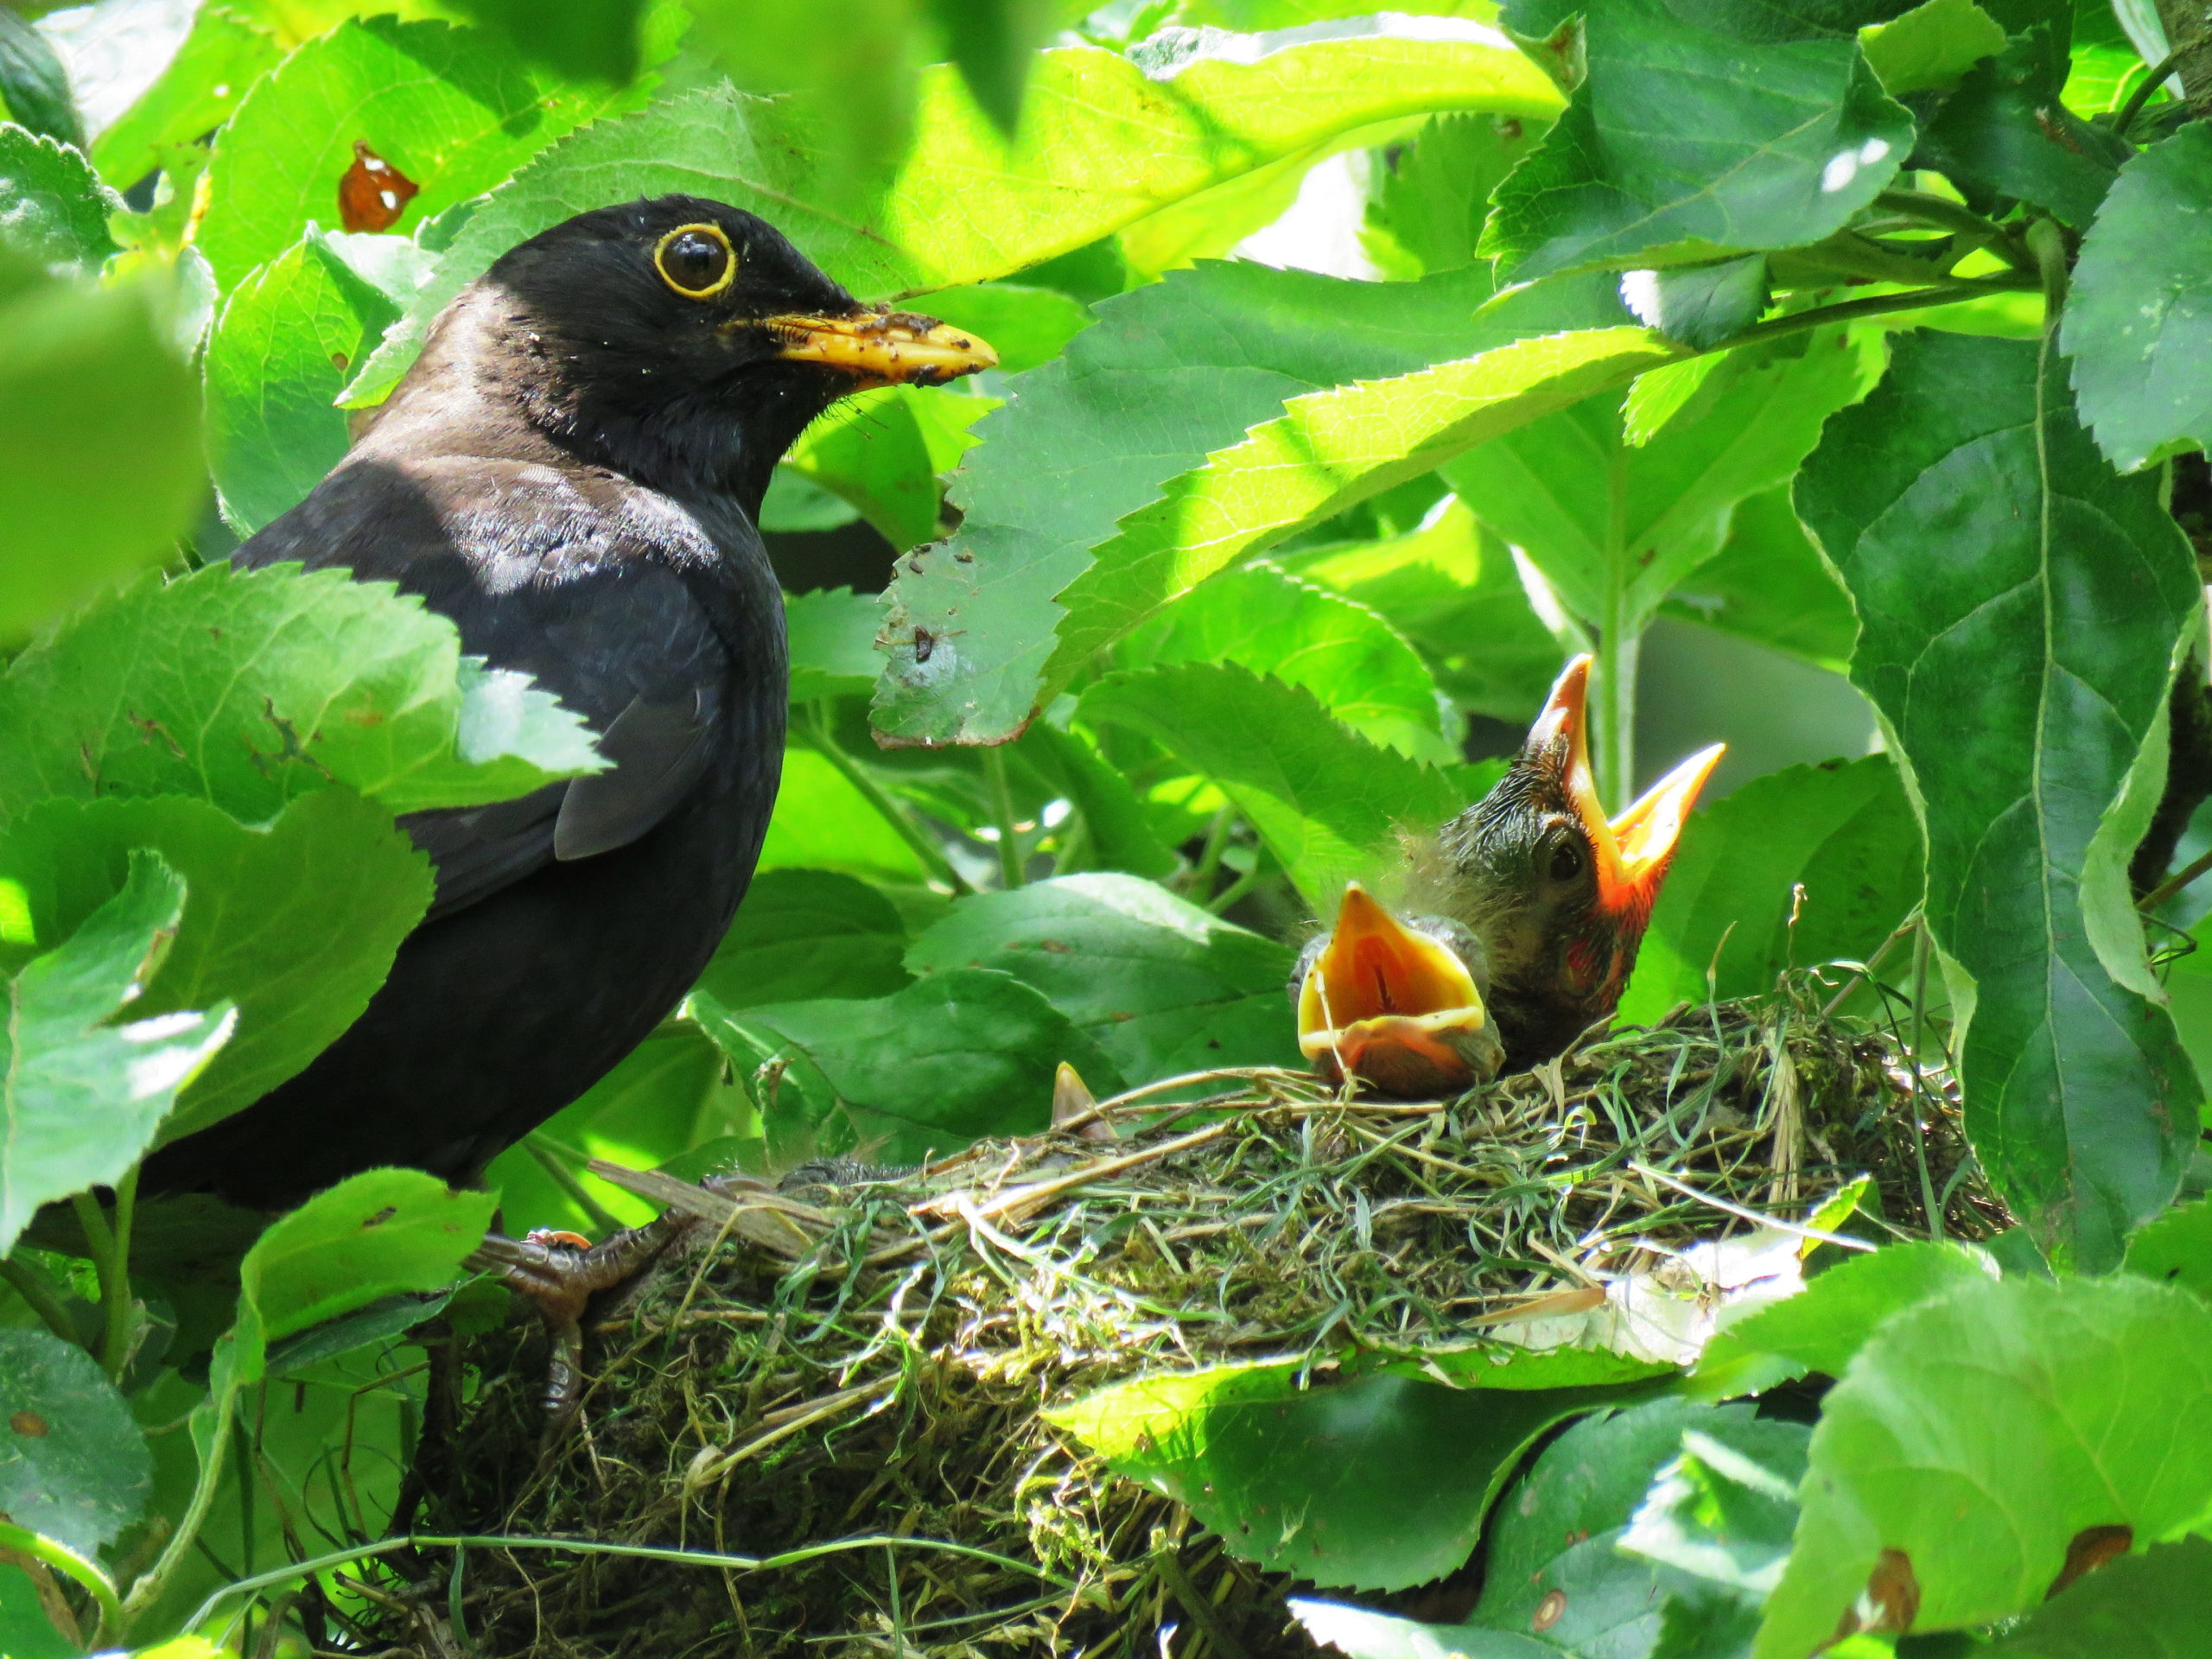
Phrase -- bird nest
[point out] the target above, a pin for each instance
(867, 1359)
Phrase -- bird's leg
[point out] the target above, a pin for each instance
(560, 1272)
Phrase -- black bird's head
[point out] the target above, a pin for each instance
(681, 341)
(1533, 891)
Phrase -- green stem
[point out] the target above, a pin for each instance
(1209, 864)
(106, 1244)
(553, 1158)
(115, 1344)
(901, 822)
(2124, 118)
(1243, 884)
(1011, 874)
(1946, 215)
(2048, 243)
(31, 1286)
(64, 1560)
(1619, 643)
(2151, 902)
(1875, 305)
(1929, 1202)
(148, 1590)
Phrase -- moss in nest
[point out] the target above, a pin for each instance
(876, 1369)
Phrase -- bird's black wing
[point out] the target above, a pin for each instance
(581, 580)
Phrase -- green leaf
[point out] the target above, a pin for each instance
(1162, 987)
(832, 634)
(2176, 1249)
(882, 452)
(1327, 450)
(1722, 1512)
(34, 87)
(54, 208)
(1359, 667)
(1700, 305)
(2006, 133)
(990, 42)
(1614, 554)
(1978, 1434)
(72, 1465)
(1118, 832)
(1103, 143)
(451, 109)
(1025, 325)
(64, 1064)
(1425, 211)
(822, 821)
(1366, 1635)
(2139, 319)
(250, 688)
(1684, 143)
(225, 53)
(1930, 48)
(372, 1235)
(2150, 1604)
(581, 39)
(1555, 1545)
(1326, 802)
(1827, 1322)
(802, 934)
(2020, 605)
(959, 1055)
(1843, 830)
(1374, 1484)
(1450, 586)
(99, 421)
(1767, 584)
(295, 925)
(278, 357)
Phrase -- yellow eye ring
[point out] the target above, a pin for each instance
(729, 261)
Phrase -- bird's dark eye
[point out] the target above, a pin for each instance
(695, 260)
(1566, 860)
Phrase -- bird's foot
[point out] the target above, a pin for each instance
(559, 1272)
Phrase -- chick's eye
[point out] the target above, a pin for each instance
(695, 260)
(1566, 861)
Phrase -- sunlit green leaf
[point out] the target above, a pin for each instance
(1365, 1634)
(882, 452)
(278, 357)
(2139, 319)
(1977, 1434)
(1326, 450)
(2002, 574)
(1827, 1322)
(2176, 1249)
(73, 1465)
(99, 421)
(1452, 588)
(1425, 212)
(1025, 325)
(54, 208)
(1686, 141)
(1358, 666)
(832, 634)
(1930, 48)
(1327, 803)
(822, 821)
(1102, 142)
(1802, 867)
(225, 53)
(454, 110)
(250, 688)
(1162, 987)
(296, 924)
(64, 1063)
(1374, 1483)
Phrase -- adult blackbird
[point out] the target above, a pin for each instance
(571, 472)
(1526, 909)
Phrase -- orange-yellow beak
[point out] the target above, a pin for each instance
(1395, 1007)
(882, 347)
(1634, 849)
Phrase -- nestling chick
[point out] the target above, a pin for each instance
(1526, 911)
